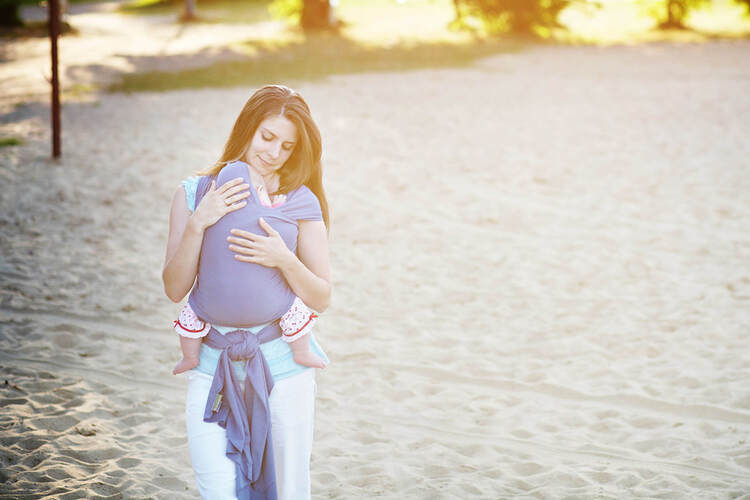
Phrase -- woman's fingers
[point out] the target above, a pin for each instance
(235, 206)
(241, 241)
(237, 189)
(267, 227)
(242, 250)
(229, 184)
(245, 234)
(236, 198)
(245, 258)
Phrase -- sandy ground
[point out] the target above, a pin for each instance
(540, 268)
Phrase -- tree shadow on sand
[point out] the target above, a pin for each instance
(315, 58)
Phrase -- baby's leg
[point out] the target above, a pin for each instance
(191, 330)
(302, 354)
(191, 349)
(296, 325)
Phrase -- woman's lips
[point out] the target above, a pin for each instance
(265, 163)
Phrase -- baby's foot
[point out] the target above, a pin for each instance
(307, 358)
(184, 365)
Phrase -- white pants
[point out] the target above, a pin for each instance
(292, 404)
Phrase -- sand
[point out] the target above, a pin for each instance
(540, 267)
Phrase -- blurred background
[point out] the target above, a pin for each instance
(141, 45)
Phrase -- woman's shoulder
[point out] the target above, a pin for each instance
(303, 204)
(303, 194)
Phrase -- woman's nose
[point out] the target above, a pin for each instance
(276, 149)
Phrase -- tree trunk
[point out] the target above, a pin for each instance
(53, 20)
(189, 13)
(675, 14)
(315, 15)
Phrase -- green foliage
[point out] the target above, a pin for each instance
(9, 141)
(287, 9)
(518, 16)
(211, 11)
(142, 5)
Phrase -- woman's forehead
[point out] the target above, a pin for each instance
(280, 126)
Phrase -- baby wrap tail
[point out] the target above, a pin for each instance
(248, 446)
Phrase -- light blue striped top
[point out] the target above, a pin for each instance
(278, 354)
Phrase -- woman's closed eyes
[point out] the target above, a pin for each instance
(288, 146)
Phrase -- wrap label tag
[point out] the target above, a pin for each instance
(217, 403)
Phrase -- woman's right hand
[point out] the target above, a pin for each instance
(216, 203)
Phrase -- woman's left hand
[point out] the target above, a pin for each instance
(268, 251)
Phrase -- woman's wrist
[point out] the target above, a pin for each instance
(195, 225)
(288, 262)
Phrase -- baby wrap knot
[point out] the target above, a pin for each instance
(248, 446)
(243, 345)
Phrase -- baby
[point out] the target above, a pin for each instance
(260, 287)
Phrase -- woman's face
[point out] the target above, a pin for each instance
(272, 144)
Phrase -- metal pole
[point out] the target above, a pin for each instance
(54, 31)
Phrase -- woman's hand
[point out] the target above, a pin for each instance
(268, 251)
(216, 203)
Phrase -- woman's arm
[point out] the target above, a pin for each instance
(183, 249)
(186, 232)
(308, 276)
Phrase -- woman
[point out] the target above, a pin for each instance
(276, 148)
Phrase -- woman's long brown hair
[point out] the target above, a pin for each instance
(303, 166)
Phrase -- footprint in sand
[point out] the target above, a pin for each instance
(31, 444)
(57, 424)
(529, 469)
